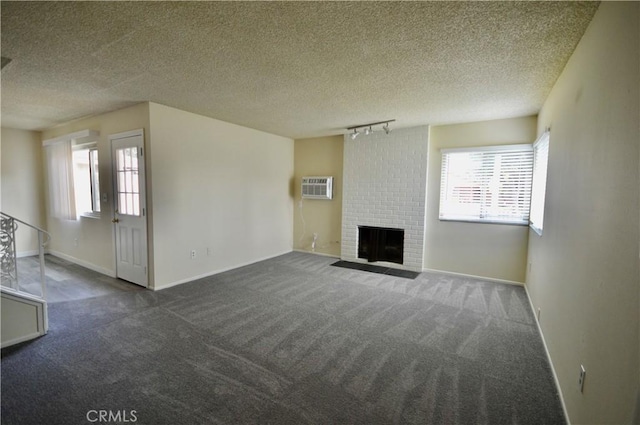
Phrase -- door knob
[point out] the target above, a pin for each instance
(115, 220)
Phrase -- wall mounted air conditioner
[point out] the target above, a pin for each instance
(317, 187)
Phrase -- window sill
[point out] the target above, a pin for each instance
(93, 215)
(470, 220)
(535, 229)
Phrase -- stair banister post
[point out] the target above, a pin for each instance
(42, 275)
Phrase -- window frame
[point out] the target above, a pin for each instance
(485, 184)
(540, 174)
(125, 171)
(95, 194)
(95, 197)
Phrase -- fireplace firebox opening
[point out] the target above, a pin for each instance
(381, 244)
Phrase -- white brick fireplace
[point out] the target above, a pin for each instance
(385, 179)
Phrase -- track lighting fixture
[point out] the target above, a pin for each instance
(368, 128)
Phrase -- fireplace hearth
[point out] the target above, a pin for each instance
(381, 244)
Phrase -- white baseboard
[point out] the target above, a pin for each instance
(472, 276)
(546, 350)
(86, 264)
(214, 272)
(27, 253)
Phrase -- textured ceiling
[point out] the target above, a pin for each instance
(297, 69)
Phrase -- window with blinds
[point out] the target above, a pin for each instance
(539, 185)
(489, 184)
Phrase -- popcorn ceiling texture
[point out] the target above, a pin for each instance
(296, 69)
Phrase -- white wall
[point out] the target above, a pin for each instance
(584, 268)
(216, 186)
(22, 184)
(95, 247)
(385, 178)
(489, 250)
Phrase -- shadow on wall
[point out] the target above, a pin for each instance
(292, 187)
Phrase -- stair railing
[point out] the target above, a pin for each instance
(8, 253)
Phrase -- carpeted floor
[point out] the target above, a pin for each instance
(291, 340)
(67, 281)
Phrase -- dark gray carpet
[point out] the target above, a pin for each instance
(290, 340)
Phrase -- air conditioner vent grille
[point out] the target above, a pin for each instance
(317, 187)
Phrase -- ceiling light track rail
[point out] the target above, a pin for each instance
(368, 128)
(355, 127)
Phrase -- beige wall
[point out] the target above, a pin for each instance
(95, 247)
(217, 187)
(584, 267)
(488, 250)
(318, 157)
(22, 184)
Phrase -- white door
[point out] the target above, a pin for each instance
(130, 218)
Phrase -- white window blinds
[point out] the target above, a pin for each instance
(60, 168)
(539, 185)
(489, 184)
(62, 202)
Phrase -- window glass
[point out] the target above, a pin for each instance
(86, 181)
(128, 184)
(490, 184)
(539, 185)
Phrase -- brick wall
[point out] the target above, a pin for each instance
(385, 178)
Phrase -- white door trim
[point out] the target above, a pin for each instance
(124, 134)
(143, 199)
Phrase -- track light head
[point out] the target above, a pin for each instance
(368, 128)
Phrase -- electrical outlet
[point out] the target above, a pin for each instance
(193, 254)
(583, 374)
(209, 250)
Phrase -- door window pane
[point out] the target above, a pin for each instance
(128, 182)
